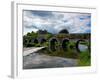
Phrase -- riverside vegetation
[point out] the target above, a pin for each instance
(35, 40)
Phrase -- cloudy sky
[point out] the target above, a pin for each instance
(53, 21)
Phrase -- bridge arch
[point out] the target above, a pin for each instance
(43, 40)
(35, 41)
(64, 44)
(53, 44)
(78, 43)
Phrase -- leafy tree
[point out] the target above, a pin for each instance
(65, 31)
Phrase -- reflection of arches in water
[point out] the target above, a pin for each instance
(53, 44)
(78, 43)
(43, 41)
(65, 43)
(35, 41)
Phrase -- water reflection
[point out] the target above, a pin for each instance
(82, 47)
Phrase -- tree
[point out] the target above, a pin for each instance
(65, 31)
(28, 34)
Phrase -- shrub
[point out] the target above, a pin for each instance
(71, 45)
(30, 45)
(37, 45)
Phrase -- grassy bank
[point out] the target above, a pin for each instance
(84, 59)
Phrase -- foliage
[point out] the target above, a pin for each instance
(37, 45)
(48, 36)
(27, 39)
(46, 44)
(65, 31)
(70, 53)
(30, 45)
(71, 45)
(84, 59)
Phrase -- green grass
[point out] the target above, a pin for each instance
(84, 59)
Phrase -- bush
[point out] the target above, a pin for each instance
(37, 45)
(71, 45)
(46, 44)
(30, 45)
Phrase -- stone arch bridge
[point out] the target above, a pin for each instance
(55, 42)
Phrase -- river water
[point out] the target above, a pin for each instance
(83, 47)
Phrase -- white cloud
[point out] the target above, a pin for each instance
(56, 22)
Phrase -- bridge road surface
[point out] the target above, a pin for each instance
(28, 51)
(33, 60)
